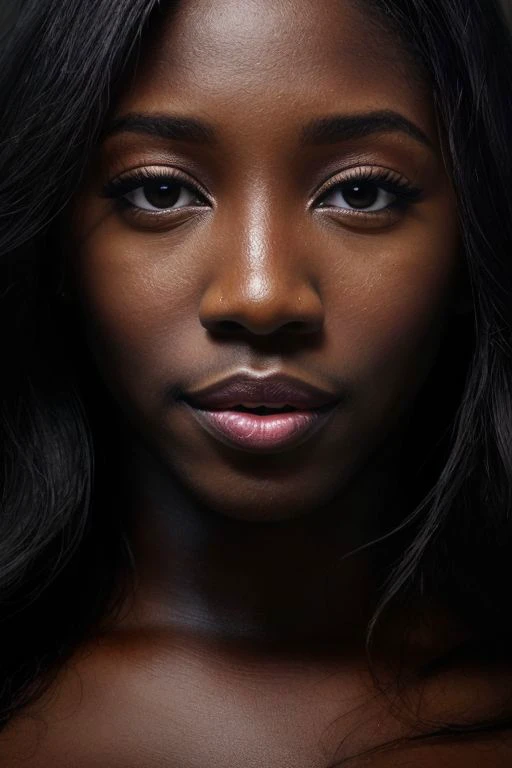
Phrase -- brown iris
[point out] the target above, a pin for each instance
(360, 194)
(162, 194)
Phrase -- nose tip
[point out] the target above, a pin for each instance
(282, 310)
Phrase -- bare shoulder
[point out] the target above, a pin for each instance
(127, 703)
(493, 751)
(84, 718)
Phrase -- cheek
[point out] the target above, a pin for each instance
(390, 311)
(385, 299)
(133, 299)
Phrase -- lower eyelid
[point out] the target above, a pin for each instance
(404, 195)
(389, 211)
(162, 212)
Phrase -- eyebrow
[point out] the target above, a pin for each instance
(328, 130)
(165, 126)
(323, 130)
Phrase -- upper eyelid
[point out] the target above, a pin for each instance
(142, 174)
(375, 172)
(370, 172)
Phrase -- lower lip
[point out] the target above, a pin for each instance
(259, 434)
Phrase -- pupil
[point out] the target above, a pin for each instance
(162, 194)
(361, 194)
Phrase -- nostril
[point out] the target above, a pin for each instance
(232, 326)
(229, 325)
(297, 325)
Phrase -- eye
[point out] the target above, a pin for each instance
(162, 194)
(371, 192)
(361, 195)
(153, 192)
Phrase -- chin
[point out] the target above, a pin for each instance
(264, 500)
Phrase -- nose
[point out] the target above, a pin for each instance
(264, 281)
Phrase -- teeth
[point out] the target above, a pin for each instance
(264, 405)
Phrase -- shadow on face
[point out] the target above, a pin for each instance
(270, 197)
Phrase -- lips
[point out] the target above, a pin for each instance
(277, 391)
(261, 414)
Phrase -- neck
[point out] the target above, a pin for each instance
(292, 582)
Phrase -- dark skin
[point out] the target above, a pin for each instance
(244, 643)
(256, 275)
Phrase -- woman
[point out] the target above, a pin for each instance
(256, 393)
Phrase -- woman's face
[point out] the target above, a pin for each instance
(303, 224)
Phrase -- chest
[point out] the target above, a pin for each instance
(193, 710)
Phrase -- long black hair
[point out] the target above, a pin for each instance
(62, 541)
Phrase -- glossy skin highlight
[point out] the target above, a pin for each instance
(259, 276)
(244, 611)
(263, 266)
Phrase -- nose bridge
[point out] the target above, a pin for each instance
(263, 280)
(266, 254)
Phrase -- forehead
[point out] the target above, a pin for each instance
(279, 61)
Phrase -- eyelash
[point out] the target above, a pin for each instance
(118, 188)
(405, 192)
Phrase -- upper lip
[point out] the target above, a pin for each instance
(247, 388)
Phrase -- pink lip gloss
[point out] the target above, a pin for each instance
(262, 433)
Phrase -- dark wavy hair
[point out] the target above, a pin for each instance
(65, 561)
